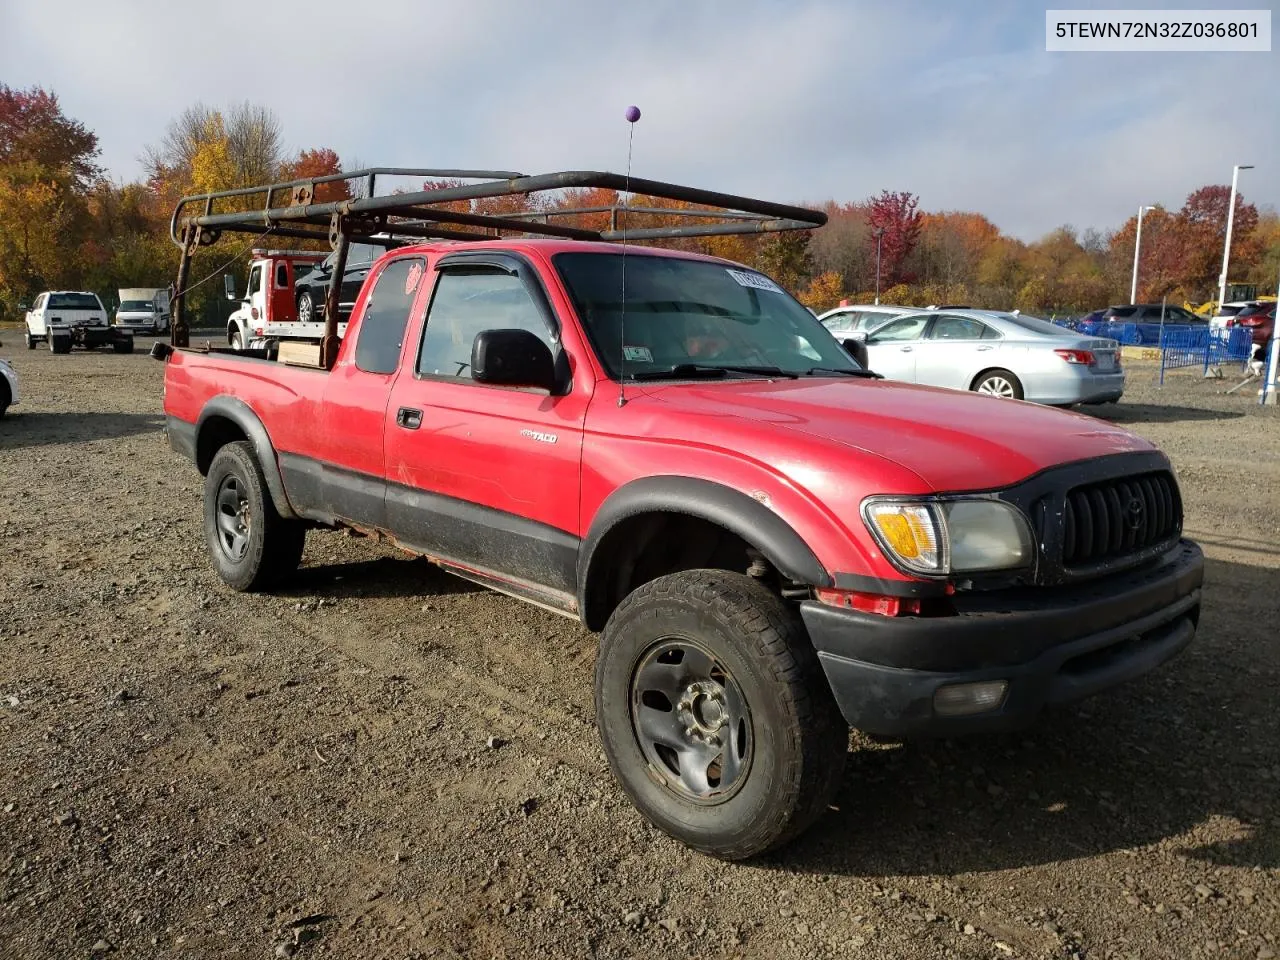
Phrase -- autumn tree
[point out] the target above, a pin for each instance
(47, 163)
(897, 215)
(1203, 234)
(321, 162)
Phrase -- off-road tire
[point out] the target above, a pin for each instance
(799, 738)
(59, 344)
(997, 374)
(275, 544)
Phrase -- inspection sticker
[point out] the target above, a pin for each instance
(637, 354)
(754, 280)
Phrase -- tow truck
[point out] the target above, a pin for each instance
(267, 307)
(774, 543)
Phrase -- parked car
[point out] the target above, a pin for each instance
(311, 290)
(62, 318)
(8, 386)
(1151, 313)
(143, 310)
(1260, 318)
(1224, 317)
(856, 321)
(775, 547)
(1093, 316)
(1004, 354)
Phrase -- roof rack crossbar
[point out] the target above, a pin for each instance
(753, 215)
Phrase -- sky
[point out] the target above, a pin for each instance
(803, 100)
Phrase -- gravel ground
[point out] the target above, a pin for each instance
(185, 772)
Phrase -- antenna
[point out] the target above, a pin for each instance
(632, 115)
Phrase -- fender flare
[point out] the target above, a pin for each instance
(242, 415)
(714, 502)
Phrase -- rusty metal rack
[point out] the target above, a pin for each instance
(288, 209)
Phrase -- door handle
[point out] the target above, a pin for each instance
(982, 348)
(408, 418)
(906, 349)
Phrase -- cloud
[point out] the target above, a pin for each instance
(810, 100)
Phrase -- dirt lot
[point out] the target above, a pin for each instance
(185, 772)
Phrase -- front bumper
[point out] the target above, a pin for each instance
(1051, 645)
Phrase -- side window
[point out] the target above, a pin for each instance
(359, 254)
(255, 280)
(904, 328)
(957, 328)
(465, 303)
(838, 323)
(386, 313)
(282, 275)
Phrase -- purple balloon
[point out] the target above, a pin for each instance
(633, 113)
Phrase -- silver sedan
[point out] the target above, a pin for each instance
(1002, 354)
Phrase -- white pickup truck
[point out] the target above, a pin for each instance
(62, 318)
(143, 310)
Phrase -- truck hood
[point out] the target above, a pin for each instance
(951, 439)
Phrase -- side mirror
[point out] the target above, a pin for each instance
(858, 350)
(229, 286)
(512, 358)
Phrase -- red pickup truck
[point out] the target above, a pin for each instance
(776, 543)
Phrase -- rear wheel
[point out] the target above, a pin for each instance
(59, 344)
(123, 346)
(5, 397)
(715, 714)
(251, 545)
(998, 383)
(306, 307)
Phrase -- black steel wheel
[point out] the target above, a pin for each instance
(691, 720)
(715, 714)
(251, 545)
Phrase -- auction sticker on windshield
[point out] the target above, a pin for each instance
(754, 280)
(637, 354)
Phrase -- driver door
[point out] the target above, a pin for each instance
(891, 350)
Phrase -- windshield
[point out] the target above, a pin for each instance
(682, 312)
(73, 301)
(137, 306)
(1035, 324)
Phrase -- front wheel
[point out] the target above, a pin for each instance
(236, 339)
(715, 714)
(251, 545)
(999, 383)
(306, 307)
(31, 341)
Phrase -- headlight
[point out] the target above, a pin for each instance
(941, 537)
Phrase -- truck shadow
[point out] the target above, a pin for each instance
(1156, 413)
(19, 430)
(381, 577)
(1150, 763)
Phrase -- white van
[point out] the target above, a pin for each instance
(143, 310)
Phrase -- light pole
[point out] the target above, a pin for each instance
(1137, 246)
(879, 238)
(1226, 247)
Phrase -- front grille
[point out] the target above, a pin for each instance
(1116, 518)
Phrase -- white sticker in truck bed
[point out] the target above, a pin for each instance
(754, 280)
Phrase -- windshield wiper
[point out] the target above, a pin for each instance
(696, 370)
(865, 374)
